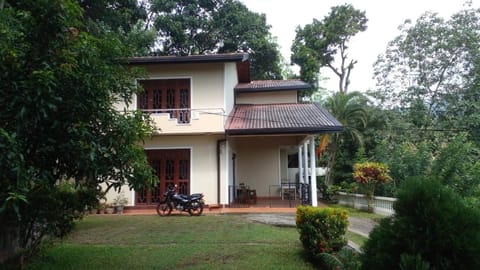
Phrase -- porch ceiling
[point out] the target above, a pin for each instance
(307, 118)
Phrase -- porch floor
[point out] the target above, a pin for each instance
(263, 205)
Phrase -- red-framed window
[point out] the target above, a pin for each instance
(166, 96)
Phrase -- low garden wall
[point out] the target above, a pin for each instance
(382, 205)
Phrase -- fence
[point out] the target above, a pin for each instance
(382, 205)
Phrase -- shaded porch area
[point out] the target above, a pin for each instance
(261, 138)
(283, 195)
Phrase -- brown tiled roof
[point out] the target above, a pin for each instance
(271, 85)
(307, 118)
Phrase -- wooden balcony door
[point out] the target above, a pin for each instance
(166, 96)
(172, 167)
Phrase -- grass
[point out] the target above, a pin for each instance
(180, 242)
(352, 212)
(356, 238)
(176, 242)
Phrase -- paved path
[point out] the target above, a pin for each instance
(360, 226)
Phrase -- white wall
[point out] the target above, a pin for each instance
(267, 97)
(203, 174)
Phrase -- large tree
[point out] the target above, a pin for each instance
(216, 26)
(125, 17)
(323, 43)
(60, 134)
(430, 71)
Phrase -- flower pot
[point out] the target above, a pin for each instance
(119, 209)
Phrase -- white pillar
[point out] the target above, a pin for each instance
(313, 172)
(305, 163)
(300, 164)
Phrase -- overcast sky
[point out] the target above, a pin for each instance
(384, 17)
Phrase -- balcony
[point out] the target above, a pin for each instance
(182, 116)
(187, 120)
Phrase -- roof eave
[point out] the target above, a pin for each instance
(268, 89)
(286, 131)
(211, 58)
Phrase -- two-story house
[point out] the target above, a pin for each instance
(215, 128)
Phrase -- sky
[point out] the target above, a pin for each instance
(384, 18)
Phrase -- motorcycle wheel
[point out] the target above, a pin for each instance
(196, 209)
(164, 209)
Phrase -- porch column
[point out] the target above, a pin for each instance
(305, 162)
(300, 164)
(313, 172)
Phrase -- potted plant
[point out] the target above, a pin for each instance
(119, 202)
(109, 209)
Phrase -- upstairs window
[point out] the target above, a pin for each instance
(170, 96)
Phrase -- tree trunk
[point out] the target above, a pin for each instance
(331, 162)
(9, 242)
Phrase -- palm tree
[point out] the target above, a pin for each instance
(349, 109)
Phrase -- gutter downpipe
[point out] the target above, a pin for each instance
(219, 142)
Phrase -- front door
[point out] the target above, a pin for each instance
(172, 167)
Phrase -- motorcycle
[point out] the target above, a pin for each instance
(193, 204)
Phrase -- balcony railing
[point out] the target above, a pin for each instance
(182, 115)
(185, 115)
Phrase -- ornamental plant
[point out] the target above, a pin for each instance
(369, 175)
(322, 230)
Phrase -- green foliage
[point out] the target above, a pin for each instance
(321, 229)
(405, 160)
(454, 163)
(58, 123)
(432, 228)
(117, 15)
(216, 26)
(349, 109)
(427, 85)
(328, 192)
(430, 73)
(408, 262)
(317, 44)
(457, 166)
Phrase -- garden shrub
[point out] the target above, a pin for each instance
(433, 228)
(322, 230)
(369, 175)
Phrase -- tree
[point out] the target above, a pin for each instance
(216, 26)
(429, 71)
(60, 135)
(319, 43)
(350, 111)
(125, 17)
(118, 15)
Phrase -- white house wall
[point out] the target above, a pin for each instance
(230, 79)
(209, 96)
(258, 161)
(267, 97)
(203, 167)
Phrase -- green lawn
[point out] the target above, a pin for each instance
(176, 242)
(356, 238)
(352, 212)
